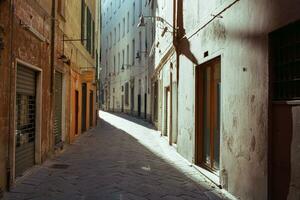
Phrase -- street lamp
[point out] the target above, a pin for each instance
(160, 19)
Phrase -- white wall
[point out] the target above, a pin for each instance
(240, 37)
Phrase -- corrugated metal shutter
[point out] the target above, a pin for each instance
(58, 108)
(25, 81)
(25, 119)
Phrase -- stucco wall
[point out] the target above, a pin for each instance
(240, 37)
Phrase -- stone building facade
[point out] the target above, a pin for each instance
(228, 92)
(126, 60)
(44, 62)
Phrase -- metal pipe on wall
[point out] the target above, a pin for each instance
(52, 63)
(11, 106)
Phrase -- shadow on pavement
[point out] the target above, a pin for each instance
(109, 164)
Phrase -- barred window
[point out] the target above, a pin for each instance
(285, 62)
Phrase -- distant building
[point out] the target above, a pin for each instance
(126, 60)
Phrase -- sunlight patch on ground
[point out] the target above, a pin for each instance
(152, 140)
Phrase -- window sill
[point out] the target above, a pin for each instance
(291, 102)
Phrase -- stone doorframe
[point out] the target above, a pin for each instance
(38, 120)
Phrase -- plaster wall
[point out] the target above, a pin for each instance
(240, 37)
(28, 47)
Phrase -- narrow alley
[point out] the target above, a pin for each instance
(122, 158)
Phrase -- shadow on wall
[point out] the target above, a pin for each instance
(182, 44)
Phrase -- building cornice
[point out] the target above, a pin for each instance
(170, 52)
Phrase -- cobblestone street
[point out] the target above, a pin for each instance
(123, 158)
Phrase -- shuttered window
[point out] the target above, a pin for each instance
(82, 21)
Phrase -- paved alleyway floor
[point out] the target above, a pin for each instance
(123, 158)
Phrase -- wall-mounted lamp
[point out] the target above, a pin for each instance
(125, 65)
(63, 57)
(160, 19)
(138, 54)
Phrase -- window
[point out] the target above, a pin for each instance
(127, 56)
(133, 52)
(140, 7)
(115, 35)
(94, 39)
(139, 52)
(111, 10)
(119, 61)
(106, 68)
(146, 41)
(133, 13)
(140, 41)
(123, 57)
(127, 22)
(285, 62)
(155, 101)
(83, 36)
(119, 32)
(89, 31)
(123, 26)
(110, 39)
(107, 42)
(126, 93)
(107, 14)
(146, 84)
(114, 64)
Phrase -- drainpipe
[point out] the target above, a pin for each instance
(11, 106)
(52, 63)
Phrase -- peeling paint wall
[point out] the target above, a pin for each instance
(240, 37)
(27, 46)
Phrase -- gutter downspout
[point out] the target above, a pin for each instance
(52, 63)
(11, 106)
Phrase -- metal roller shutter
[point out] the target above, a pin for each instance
(25, 119)
(58, 108)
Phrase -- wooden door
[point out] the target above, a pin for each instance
(208, 99)
(83, 107)
(284, 98)
(76, 111)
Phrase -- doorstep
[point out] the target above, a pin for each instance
(211, 176)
